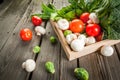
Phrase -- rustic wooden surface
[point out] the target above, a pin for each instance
(15, 15)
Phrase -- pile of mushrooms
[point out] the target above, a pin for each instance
(78, 41)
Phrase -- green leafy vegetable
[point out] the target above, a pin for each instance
(50, 67)
(81, 73)
(46, 11)
(111, 21)
(36, 49)
(53, 40)
(67, 32)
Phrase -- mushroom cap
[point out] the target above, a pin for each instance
(63, 24)
(90, 40)
(29, 65)
(70, 38)
(82, 36)
(77, 45)
(93, 17)
(107, 50)
(40, 30)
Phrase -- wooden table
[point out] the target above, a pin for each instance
(15, 15)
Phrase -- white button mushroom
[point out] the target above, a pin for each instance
(93, 17)
(70, 38)
(90, 40)
(40, 30)
(77, 45)
(82, 36)
(107, 50)
(29, 65)
(63, 24)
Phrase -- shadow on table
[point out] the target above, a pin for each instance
(1, 1)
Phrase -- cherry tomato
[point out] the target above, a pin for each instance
(76, 26)
(26, 34)
(99, 37)
(84, 17)
(36, 20)
(93, 29)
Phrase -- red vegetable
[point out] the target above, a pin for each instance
(36, 20)
(26, 34)
(93, 29)
(99, 37)
(76, 26)
(84, 17)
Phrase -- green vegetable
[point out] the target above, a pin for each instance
(53, 39)
(108, 12)
(47, 10)
(50, 67)
(36, 49)
(110, 22)
(67, 32)
(81, 73)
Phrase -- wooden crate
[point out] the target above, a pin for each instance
(87, 49)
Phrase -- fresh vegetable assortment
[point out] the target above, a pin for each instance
(105, 13)
(83, 22)
(90, 18)
(80, 32)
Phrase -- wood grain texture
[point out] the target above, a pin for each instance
(16, 51)
(10, 16)
(101, 67)
(48, 52)
(91, 64)
(67, 67)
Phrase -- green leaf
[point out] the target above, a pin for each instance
(39, 15)
(70, 15)
(78, 12)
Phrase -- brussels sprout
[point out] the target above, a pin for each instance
(81, 73)
(50, 67)
(36, 49)
(67, 32)
(53, 39)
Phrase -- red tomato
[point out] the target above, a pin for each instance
(84, 17)
(36, 20)
(76, 26)
(26, 34)
(93, 29)
(99, 37)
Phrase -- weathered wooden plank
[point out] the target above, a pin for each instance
(48, 52)
(100, 67)
(3, 6)
(91, 64)
(113, 64)
(117, 47)
(16, 51)
(10, 14)
(66, 67)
